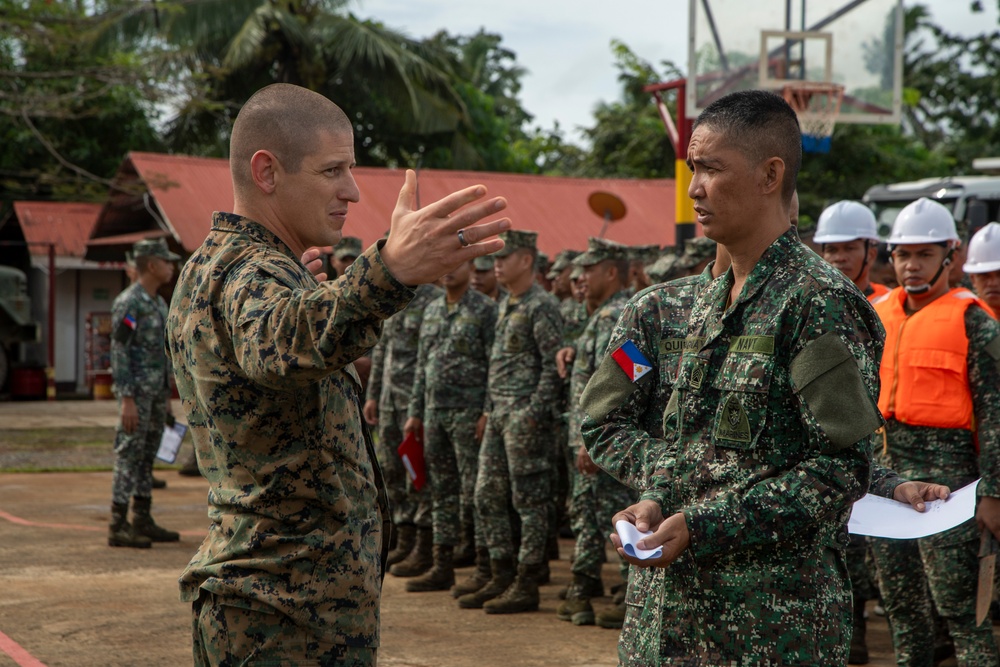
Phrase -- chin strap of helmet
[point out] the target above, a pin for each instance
(926, 287)
(864, 262)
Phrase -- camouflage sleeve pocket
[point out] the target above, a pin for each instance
(829, 381)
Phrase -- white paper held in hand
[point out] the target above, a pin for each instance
(629, 535)
(880, 517)
(170, 443)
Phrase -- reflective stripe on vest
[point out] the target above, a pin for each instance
(924, 372)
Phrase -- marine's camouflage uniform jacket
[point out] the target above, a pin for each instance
(771, 422)
(262, 360)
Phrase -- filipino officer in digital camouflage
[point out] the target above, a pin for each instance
(390, 383)
(941, 401)
(515, 457)
(574, 317)
(596, 495)
(625, 433)
(450, 405)
(140, 373)
(774, 412)
(290, 572)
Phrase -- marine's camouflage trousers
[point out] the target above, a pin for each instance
(942, 567)
(639, 642)
(515, 466)
(135, 451)
(452, 455)
(596, 498)
(408, 504)
(235, 631)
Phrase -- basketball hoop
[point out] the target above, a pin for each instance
(818, 106)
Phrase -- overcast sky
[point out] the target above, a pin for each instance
(565, 44)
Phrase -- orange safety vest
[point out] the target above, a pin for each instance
(924, 372)
(877, 291)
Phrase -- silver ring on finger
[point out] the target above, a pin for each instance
(461, 238)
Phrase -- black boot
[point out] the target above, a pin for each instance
(465, 554)
(441, 577)
(144, 524)
(478, 579)
(159, 483)
(120, 531)
(406, 536)
(421, 557)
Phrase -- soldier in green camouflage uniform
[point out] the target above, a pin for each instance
(515, 460)
(641, 256)
(596, 495)
(394, 361)
(290, 571)
(940, 571)
(776, 394)
(140, 375)
(450, 403)
(574, 318)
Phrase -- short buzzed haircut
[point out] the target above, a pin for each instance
(285, 120)
(761, 125)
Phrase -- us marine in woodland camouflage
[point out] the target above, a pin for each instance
(290, 571)
(596, 495)
(777, 397)
(449, 401)
(140, 373)
(514, 460)
(390, 382)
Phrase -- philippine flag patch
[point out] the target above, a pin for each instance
(631, 360)
(129, 321)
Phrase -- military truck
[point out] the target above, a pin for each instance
(16, 325)
(974, 200)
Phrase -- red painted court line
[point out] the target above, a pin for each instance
(18, 654)
(76, 526)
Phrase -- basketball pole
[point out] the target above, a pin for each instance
(680, 137)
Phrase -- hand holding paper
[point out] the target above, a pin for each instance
(880, 517)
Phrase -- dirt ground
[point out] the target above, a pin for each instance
(69, 600)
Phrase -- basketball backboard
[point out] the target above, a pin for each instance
(777, 44)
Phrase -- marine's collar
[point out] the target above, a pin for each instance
(233, 223)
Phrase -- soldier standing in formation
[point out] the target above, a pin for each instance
(596, 495)
(290, 571)
(941, 399)
(484, 279)
(390, 382)
(449, 403)
(753, 500)
(848, 236)
(514, 460)
(983, 265)
(141, 380)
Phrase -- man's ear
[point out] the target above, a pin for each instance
(263, 169)
(773, 171)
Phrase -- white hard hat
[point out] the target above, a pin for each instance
(846, 221)
(923, 221)
(984, 250)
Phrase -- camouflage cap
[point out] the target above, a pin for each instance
(646, 254)
(576, 273)
(563, 259)
(663, 269)
(130, 258)
(542, 262)
(599, 250)
(484, 263)
(154, 248)
(349, 246)
(515, 239)
(696, 251)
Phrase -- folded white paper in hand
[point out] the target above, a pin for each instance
(629, 535)
(881, 517)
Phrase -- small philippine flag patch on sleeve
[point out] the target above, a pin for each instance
(631, 360)
(129, 321)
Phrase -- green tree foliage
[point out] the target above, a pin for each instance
(628, 139)
(68, 112)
